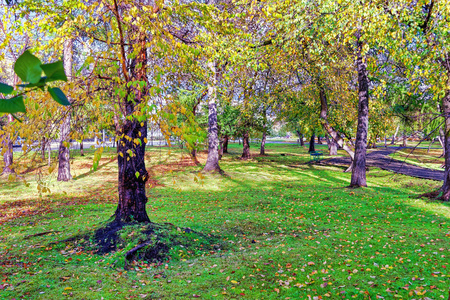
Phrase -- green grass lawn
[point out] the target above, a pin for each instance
(421, 157)
(287, 230)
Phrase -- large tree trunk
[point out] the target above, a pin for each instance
(358, 178)
(246, 148)
(132, 171)
(8, 157)
(312, 146)
(131, 148)
(336, 136)
(64, 130)
(212, 162)
(446, 107)
(225, 144)
(263, 144)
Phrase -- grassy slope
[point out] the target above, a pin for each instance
(293, 231)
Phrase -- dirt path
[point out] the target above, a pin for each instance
(381, 160)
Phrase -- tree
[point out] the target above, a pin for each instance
(64, 146)
(212, 161)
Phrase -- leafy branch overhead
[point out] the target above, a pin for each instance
(29, 69)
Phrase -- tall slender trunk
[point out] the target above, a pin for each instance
(49, 148)
(220, 149)
(358, 178)
(429, 146)
(246, 148)
(212, 162)
(336, 136)
(395, 135)
(263, 144)
(319, 140)
(441, 138)
(82, 148)
(8, 157)
(194, 146)
(225, 144)
(404, 140)
(64, 130)
(446, 107)
(131, 147)
(312, 146)
(44, 142)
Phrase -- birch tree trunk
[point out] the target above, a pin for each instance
(212, 161)
(64, 130)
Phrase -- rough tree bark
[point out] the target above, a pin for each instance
(263, 144)
(358, 178)
(212, 162)
(336, 136)
(64, 130)
(246, 148)
(8, 157)
(446, 110)
(312, 146)
(131, 146)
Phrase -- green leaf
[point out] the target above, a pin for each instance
(40, 84)
(137, 174)
(12, 105)
(54, 71)
(6, 89)
(28, 67)
(58, 96)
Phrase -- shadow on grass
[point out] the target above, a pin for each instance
(93, 171)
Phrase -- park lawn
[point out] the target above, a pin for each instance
(421, 157)
(287, 230)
